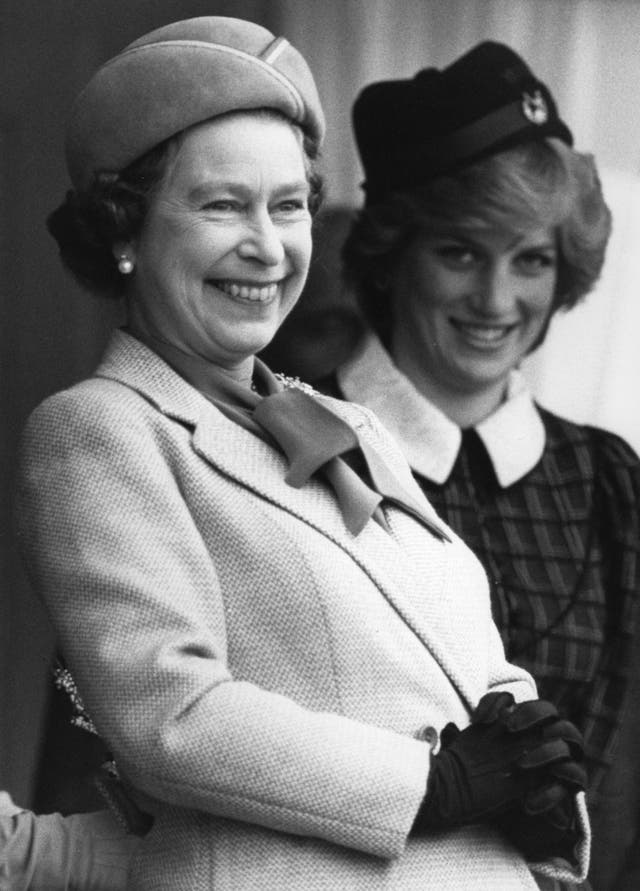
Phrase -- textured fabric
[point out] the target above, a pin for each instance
(264, 677)
(561, 547)
(314, 439)
(83, 852)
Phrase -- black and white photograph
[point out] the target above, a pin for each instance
(320, 514)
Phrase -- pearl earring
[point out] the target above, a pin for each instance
(125, 265)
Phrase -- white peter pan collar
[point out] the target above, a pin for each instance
(513, 435)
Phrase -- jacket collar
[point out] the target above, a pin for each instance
(130, 362)
(216, 438)
(140, 367)
(513, 435)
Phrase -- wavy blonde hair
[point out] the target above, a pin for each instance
(544, 184)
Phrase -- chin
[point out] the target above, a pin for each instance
(472, 380)
(247, 349)
(250, 339)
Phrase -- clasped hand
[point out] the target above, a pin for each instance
(517, 766)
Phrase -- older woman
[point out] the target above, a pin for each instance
(480, 223)
(289, 653)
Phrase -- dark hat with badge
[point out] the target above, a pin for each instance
(410, 131)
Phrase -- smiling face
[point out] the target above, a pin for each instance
(468, 305)
(226, 243)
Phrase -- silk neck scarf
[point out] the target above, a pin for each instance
(315, 441)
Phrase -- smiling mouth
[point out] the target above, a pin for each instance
(485, 335)
(251, 293)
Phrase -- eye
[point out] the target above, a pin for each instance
(457, 255)
(535, 262)
(222, 205)
(289, 206)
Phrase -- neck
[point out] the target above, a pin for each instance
(464, 407)
(192, 366)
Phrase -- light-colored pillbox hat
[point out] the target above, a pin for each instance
(180, 75)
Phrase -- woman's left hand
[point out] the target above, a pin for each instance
(545, 825)
(552, 833)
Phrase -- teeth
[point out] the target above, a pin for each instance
(255, 293)
(487, 333)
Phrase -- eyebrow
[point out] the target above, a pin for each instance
(468, 236)
(298, 185)
(543, 245)
(239, 187)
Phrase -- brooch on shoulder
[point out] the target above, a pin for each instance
(294, 383)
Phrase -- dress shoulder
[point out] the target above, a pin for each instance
(588, 455)
(615, 449)
(610, 448)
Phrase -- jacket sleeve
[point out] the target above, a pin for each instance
(616, 517)
(135, 597)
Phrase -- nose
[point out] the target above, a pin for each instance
(262, 241)
(495, 291)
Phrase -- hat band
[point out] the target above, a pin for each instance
(482, 134)
(526, 119)
(273, 50)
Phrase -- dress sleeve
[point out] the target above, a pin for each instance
(616, 693)
(617, 511)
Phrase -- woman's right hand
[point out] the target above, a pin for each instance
(521, 756)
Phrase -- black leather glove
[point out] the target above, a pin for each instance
(553, 833)
(510, 756)
(563, 776)
(493, 706)
(545, 824)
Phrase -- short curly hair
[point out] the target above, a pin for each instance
(539, 183)
(89, 223)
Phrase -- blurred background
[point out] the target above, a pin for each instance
(51, 334)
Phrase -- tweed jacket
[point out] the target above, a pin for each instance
(266, 679)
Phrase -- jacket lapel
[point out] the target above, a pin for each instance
(224, 444)
(252, 463)
(248, 460)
